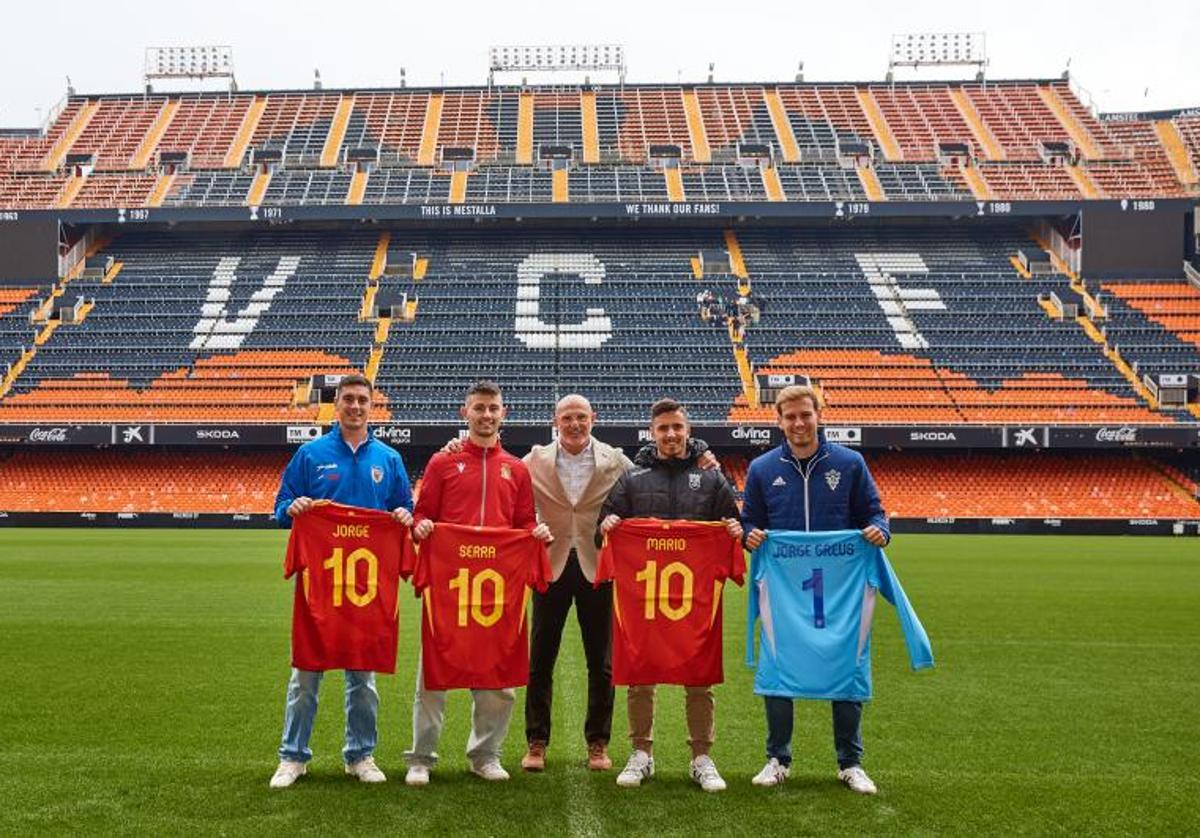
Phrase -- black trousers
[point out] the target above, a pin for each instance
(593, 610)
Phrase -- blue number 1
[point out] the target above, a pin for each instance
(816, 584)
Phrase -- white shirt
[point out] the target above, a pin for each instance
(575, 472)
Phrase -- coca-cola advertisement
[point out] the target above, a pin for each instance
(57, 434)
(1123, 436)
(1126, 435)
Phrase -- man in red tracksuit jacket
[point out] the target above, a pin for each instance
(481, 485)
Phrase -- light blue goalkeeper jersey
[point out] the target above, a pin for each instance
(814, 594)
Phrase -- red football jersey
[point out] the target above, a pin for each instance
(345, 611)
(474, 583)
(667, 582)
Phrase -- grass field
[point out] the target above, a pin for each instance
(143, 680)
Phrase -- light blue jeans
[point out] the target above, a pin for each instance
(362, 709)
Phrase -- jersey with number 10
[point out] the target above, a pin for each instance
(667, 582)
(350, 562)
(474, 583)
(814, 593)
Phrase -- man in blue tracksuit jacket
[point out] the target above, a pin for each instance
(345, 465)
(811, 485)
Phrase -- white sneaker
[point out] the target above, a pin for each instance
(772, 774)
(640, 767)
(287, 773)
(418, 775)
(491, 770)
(704, 772)
(857, 780)
(366, 771)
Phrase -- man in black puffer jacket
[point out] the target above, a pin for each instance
(665, 482)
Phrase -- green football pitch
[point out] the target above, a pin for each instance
(142, 681)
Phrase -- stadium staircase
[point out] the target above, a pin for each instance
(741, 357)
(162, 121)
(79, 123)
(782, 127)
(1077, 132)
(241, 142)
(879, 126)
(590, 127)
(331, 151)
(258, 189)
(695, 126)
(983, 136)
(1172, 142)
(429, 133)
(870, 183)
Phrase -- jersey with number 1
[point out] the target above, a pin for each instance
(668, 577)
(474, 583)
(350, 561)
(814, 594)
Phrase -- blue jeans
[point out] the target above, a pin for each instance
(847, 730)
(362, 708)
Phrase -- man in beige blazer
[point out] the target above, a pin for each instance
(571, 478)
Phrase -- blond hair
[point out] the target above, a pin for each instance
(795, 392)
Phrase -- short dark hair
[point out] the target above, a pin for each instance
(667, 405)
(354, 379)
(483, 387)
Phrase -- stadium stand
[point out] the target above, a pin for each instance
(634, 293)
(904, 320)
(16, 333)
(1154, 325)
(242, 322)
(116, 130)
(611, 136)
(390, 121)
(205, 127)
(987, 351)
(1060, 485)
(141, 481)
(923, 118)
(1173, 305)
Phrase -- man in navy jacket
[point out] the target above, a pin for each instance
(810, 485)
(345, 465)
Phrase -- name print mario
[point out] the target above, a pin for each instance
(667, 545)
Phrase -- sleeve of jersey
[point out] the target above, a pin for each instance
(542, 572)
(737, 561)
(604, 562)
(752, 610)
(418, 559)
(293, 560)
(408, 553)
(920, 653)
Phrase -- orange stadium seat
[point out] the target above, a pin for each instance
(141, 481)
(978, 485)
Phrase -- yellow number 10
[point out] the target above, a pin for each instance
(345, 576)
(658, 589)
(470, 596)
